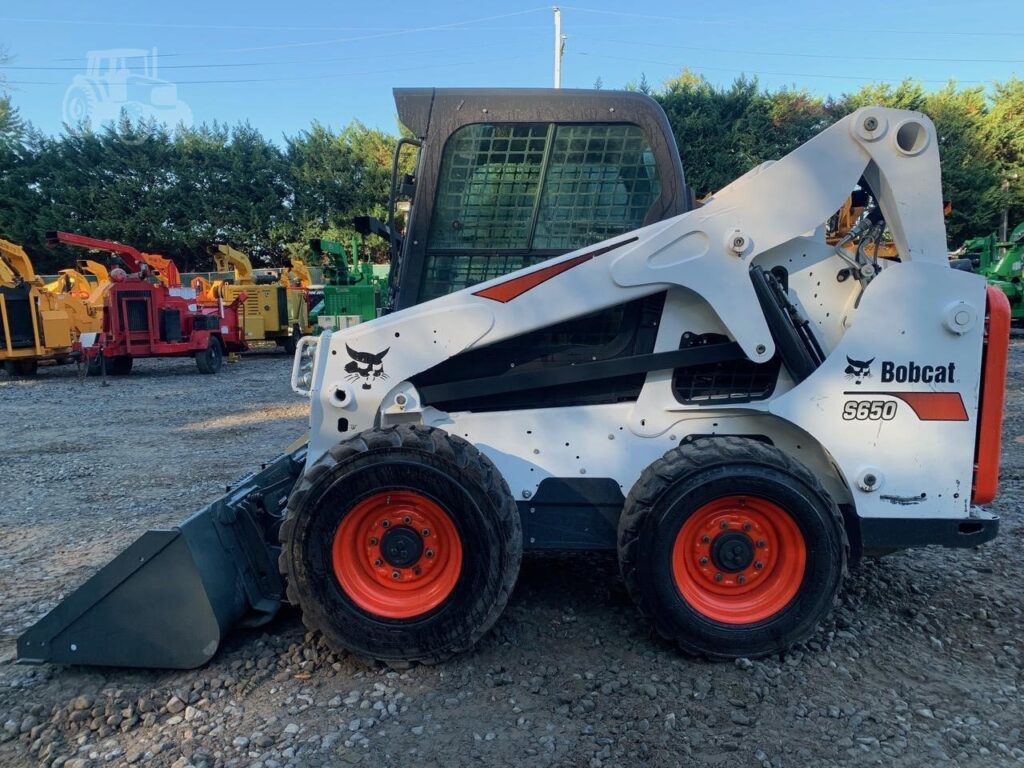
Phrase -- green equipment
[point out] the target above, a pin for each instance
(1002, 264)
(353, 289)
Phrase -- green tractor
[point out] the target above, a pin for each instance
(1002, 264)
(354, 290)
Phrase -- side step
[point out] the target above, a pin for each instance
(170, 598)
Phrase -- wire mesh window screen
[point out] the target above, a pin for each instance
(600, 181)
(487, 191)
(524, 192)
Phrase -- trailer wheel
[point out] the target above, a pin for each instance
(731, 548)
(209, 360)
(289, 344)
(21, 368)
(94, 365)
(120, 365)
(401, 544)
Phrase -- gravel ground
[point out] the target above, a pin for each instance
(920, 666)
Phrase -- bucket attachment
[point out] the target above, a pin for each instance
(170, 598)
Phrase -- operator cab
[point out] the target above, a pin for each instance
(506, 178)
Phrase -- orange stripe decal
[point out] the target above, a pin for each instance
(929, 406)
(935, 406)
(517, 286)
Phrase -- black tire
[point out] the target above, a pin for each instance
(120, 365)
(94, 365)
(289, 344)
(209, 360)
(21, 369)
(430, 463)
(689, 480)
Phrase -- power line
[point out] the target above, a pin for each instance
(733, 52)
(304, 78)
(157, 25)
(374, 33)
(779, 74)
(379, 35)
(732, 23)
(223, 65)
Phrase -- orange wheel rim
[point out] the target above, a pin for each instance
(397, 554)
(739, 559)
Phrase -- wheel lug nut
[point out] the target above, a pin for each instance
(373, 541)
(430, 553)
(718, 577)
(406, 519)
(746, 526)
(741, 579)
(378, 562)
(759, 565)
(396, 575)
(761, 544)
(426, 531)
(723, 525)
(417, 570)
(385, 523)
(703, 561)
(705, 539)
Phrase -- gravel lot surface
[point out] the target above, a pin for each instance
(920, 666)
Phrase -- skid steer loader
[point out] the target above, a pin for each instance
(734, 406)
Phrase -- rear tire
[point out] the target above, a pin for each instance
(358, 516)
(289, 344)
(731, 548)
(120, 365)
(21, 369)
(209, 360)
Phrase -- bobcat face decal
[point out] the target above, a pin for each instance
(365, 366)
(858, 370)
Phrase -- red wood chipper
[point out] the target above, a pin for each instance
(147, 313)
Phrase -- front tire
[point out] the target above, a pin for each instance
(401, 544)
(731, 548)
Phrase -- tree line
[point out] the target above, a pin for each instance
(172, 191)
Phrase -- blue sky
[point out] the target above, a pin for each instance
(282, 65)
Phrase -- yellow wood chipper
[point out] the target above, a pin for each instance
(39, 321)
(274, 309)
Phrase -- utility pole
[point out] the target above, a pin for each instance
(559, 46)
